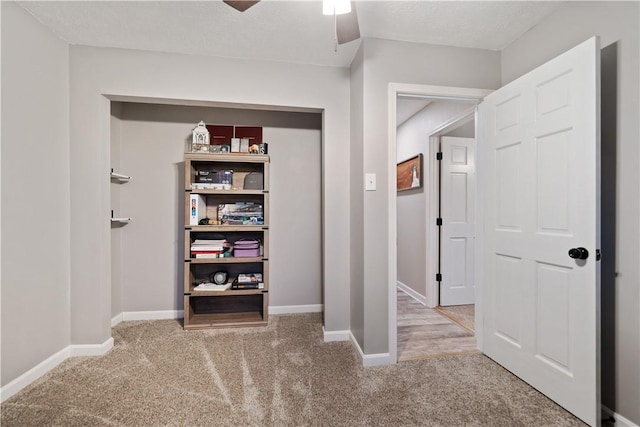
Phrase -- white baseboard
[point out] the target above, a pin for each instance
(116, 319)
(368, 360)
(332, 336)
(147, 315)
(179, 314)
(51, 362)
(289, 309)
(413, 294)
(620, 420)
(76, 350)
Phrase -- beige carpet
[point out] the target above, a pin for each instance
(280, 375)
(464, 315)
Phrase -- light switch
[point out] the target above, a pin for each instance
(370, 181)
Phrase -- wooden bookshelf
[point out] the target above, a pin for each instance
(229, 308)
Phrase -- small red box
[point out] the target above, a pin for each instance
(220, 134)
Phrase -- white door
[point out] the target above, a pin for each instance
(457, 233)
(539, 157)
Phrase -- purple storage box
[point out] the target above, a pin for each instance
(246, 248)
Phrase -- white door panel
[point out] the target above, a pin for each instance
(458, 221)
(539, 150)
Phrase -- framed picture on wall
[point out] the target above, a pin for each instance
(409, 173)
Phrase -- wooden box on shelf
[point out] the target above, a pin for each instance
(231, 307)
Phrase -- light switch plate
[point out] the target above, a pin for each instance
(370, 181)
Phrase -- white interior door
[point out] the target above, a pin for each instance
(539, 155)
(457, 233)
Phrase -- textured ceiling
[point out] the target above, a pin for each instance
(293, 31)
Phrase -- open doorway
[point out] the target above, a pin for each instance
(435, 289)
(456, 224)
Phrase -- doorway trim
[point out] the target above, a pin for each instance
(444, 93)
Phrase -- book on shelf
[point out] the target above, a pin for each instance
(210, 242)
(241, 286)
(248, 281)
(209, 255)
(212, 287)
(207, 248)
(249, 277)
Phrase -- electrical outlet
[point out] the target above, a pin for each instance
(370, 182)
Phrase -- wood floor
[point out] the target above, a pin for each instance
(424, 332)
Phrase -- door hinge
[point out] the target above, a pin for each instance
(438, 277)
(439, 222)
(439, 155)
(598, 254)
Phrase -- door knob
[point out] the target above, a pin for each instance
(578, 253)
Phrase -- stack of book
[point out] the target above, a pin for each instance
(210, 248)
(248, 281)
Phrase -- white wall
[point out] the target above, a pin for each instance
(413, 206)
(152, 146)
(356, 208)
(385, 62)
(124, 74)
(617, 24)
(35, 193)
(116, 227)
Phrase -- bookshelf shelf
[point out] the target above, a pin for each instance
(229, 308)
(226, 293)
(228, 320)
(226, 192)
(227, 260)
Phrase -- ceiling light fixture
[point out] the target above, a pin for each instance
(335, 8)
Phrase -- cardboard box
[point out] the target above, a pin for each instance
(197, 208)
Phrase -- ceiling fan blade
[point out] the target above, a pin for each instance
(241, 5)
(347, 28)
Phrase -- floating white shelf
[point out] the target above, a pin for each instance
(121, 219)
(116, 175)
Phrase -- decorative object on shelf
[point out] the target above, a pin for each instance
(244, 145)
(198, 208)
(264, 148)
(246, 248)
(240, 213)
(220, 134)
(252, 133)
(409, 173)
(200, 139)
(235, 145)
(253, 181)
(220, 277)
